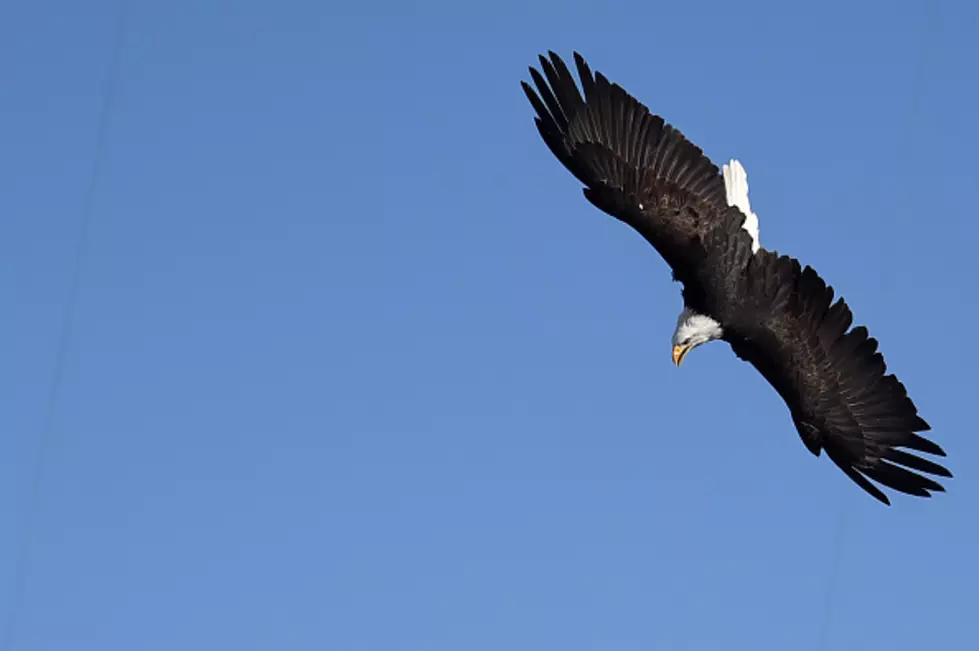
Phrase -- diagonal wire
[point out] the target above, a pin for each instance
(928, 26)
(64, 340)
(834, 571)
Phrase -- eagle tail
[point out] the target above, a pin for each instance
(736, 187)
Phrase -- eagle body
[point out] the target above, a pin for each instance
(777, 315)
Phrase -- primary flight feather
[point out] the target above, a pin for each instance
(775, 314)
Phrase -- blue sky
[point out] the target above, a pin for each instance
(353, 365)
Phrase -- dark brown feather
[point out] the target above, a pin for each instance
(835, 383)
(634, 166)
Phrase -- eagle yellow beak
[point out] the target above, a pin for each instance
(679, 352)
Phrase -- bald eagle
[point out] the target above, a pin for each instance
(775, 314)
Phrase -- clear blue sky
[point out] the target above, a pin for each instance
(354, 365)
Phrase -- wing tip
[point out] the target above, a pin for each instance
(895, 470)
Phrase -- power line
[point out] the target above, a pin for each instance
(64, 340)
(914, 105)
(834, 570)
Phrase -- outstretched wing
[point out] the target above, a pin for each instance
(635, 167)
(834, 380)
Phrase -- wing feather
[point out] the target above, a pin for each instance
(634, 166)
(834, 379)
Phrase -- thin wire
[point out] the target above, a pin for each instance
(67, 327)
(914, 104)
(831, 582)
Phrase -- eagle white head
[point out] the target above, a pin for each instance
(693, 329)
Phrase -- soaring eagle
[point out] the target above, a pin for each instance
(775, 314)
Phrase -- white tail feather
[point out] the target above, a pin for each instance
(736, 185)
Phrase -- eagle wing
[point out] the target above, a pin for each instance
(781, 318)
(635, 166)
